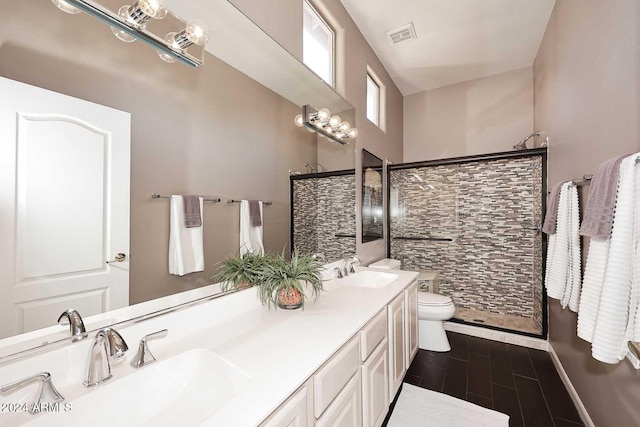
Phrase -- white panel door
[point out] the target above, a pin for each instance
(396, 345)
(64, 207)
(411, 323)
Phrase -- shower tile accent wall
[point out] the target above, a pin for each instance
(324, 215)
(493, 267)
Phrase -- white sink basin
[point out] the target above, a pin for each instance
(180, 391)
(368, 279)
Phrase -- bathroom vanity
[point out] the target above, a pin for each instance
(233, 362)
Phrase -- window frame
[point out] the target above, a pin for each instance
(375, 81)
(332, 30)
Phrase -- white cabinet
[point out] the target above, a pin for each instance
(375, 387)
(346, 409)
(292, 413)
(396, 336)
(411, 322)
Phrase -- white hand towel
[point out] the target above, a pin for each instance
(562, 279)
(592, 287)
(250, 237)
(186, 249)
(614, 308)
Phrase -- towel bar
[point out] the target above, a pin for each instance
(238, 201)
(157, 196)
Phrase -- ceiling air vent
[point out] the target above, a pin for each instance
(402, 34)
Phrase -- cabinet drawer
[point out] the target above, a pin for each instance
(372, 334)
(346, 409)
(292, 413)
(334, 375)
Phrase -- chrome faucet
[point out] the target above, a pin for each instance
(319, 257)
(108, 346)
(143, 356)
(76, 325)
(348, 263)
(337, 273)
(46, 395)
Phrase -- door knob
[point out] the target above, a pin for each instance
(118, 258)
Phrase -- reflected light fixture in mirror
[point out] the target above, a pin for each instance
(325, 124)
(130, 24)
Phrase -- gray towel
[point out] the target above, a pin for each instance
(598, 215)
(254, 213)
(551, 218)
(191, 206)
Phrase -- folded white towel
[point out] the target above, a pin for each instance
(615, 299)
(250, 237)
(562, 279)
(186, 249)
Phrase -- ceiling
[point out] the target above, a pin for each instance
(457, 40)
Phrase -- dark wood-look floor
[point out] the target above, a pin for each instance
(520, 382)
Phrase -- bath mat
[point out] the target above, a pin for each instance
(418, 407)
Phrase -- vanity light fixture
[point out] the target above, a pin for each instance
(322, 122)
(129, 23)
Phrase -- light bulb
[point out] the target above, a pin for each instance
(345, 127)
(153, 8)
(66, 7)
(334, 121)
(324, 114)
(353, 133)
(123, 12)
(298, 121)
(197, 32)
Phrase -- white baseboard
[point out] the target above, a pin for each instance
(582, 411)
(493, 335)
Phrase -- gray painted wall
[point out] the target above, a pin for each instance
(587, 98)
(485, 115)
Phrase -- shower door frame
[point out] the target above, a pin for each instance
(542, 152)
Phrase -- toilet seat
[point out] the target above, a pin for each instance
(428, 299)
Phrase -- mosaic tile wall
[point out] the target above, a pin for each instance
(493, 261)
(324, 215)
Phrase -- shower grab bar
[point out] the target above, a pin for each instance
(432, 239)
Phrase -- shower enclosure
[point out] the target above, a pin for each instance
(323, 213)
(477, 222)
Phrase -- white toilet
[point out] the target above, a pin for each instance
(433, 309)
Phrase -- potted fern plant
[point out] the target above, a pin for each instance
(283, 282)
(240, 272)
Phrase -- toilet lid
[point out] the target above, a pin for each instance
(427, 298)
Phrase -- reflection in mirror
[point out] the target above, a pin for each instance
(323, 214)
(372, 212)
(213, 132)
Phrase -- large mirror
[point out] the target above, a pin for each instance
(372, 204)
(223, 131)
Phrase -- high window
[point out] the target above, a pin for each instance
(373, 100)
(318, 44)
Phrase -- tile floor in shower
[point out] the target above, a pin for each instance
(505, 321)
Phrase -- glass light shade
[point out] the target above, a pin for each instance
(345, 127)
(123, 12)
(334, 121)
(153, 8)
(197, 32)
(324, 114)
(298, 121)
(66, 7)
(310, 130)
(353, 133)
(166, 57)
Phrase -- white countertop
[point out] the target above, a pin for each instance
(278, 349)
